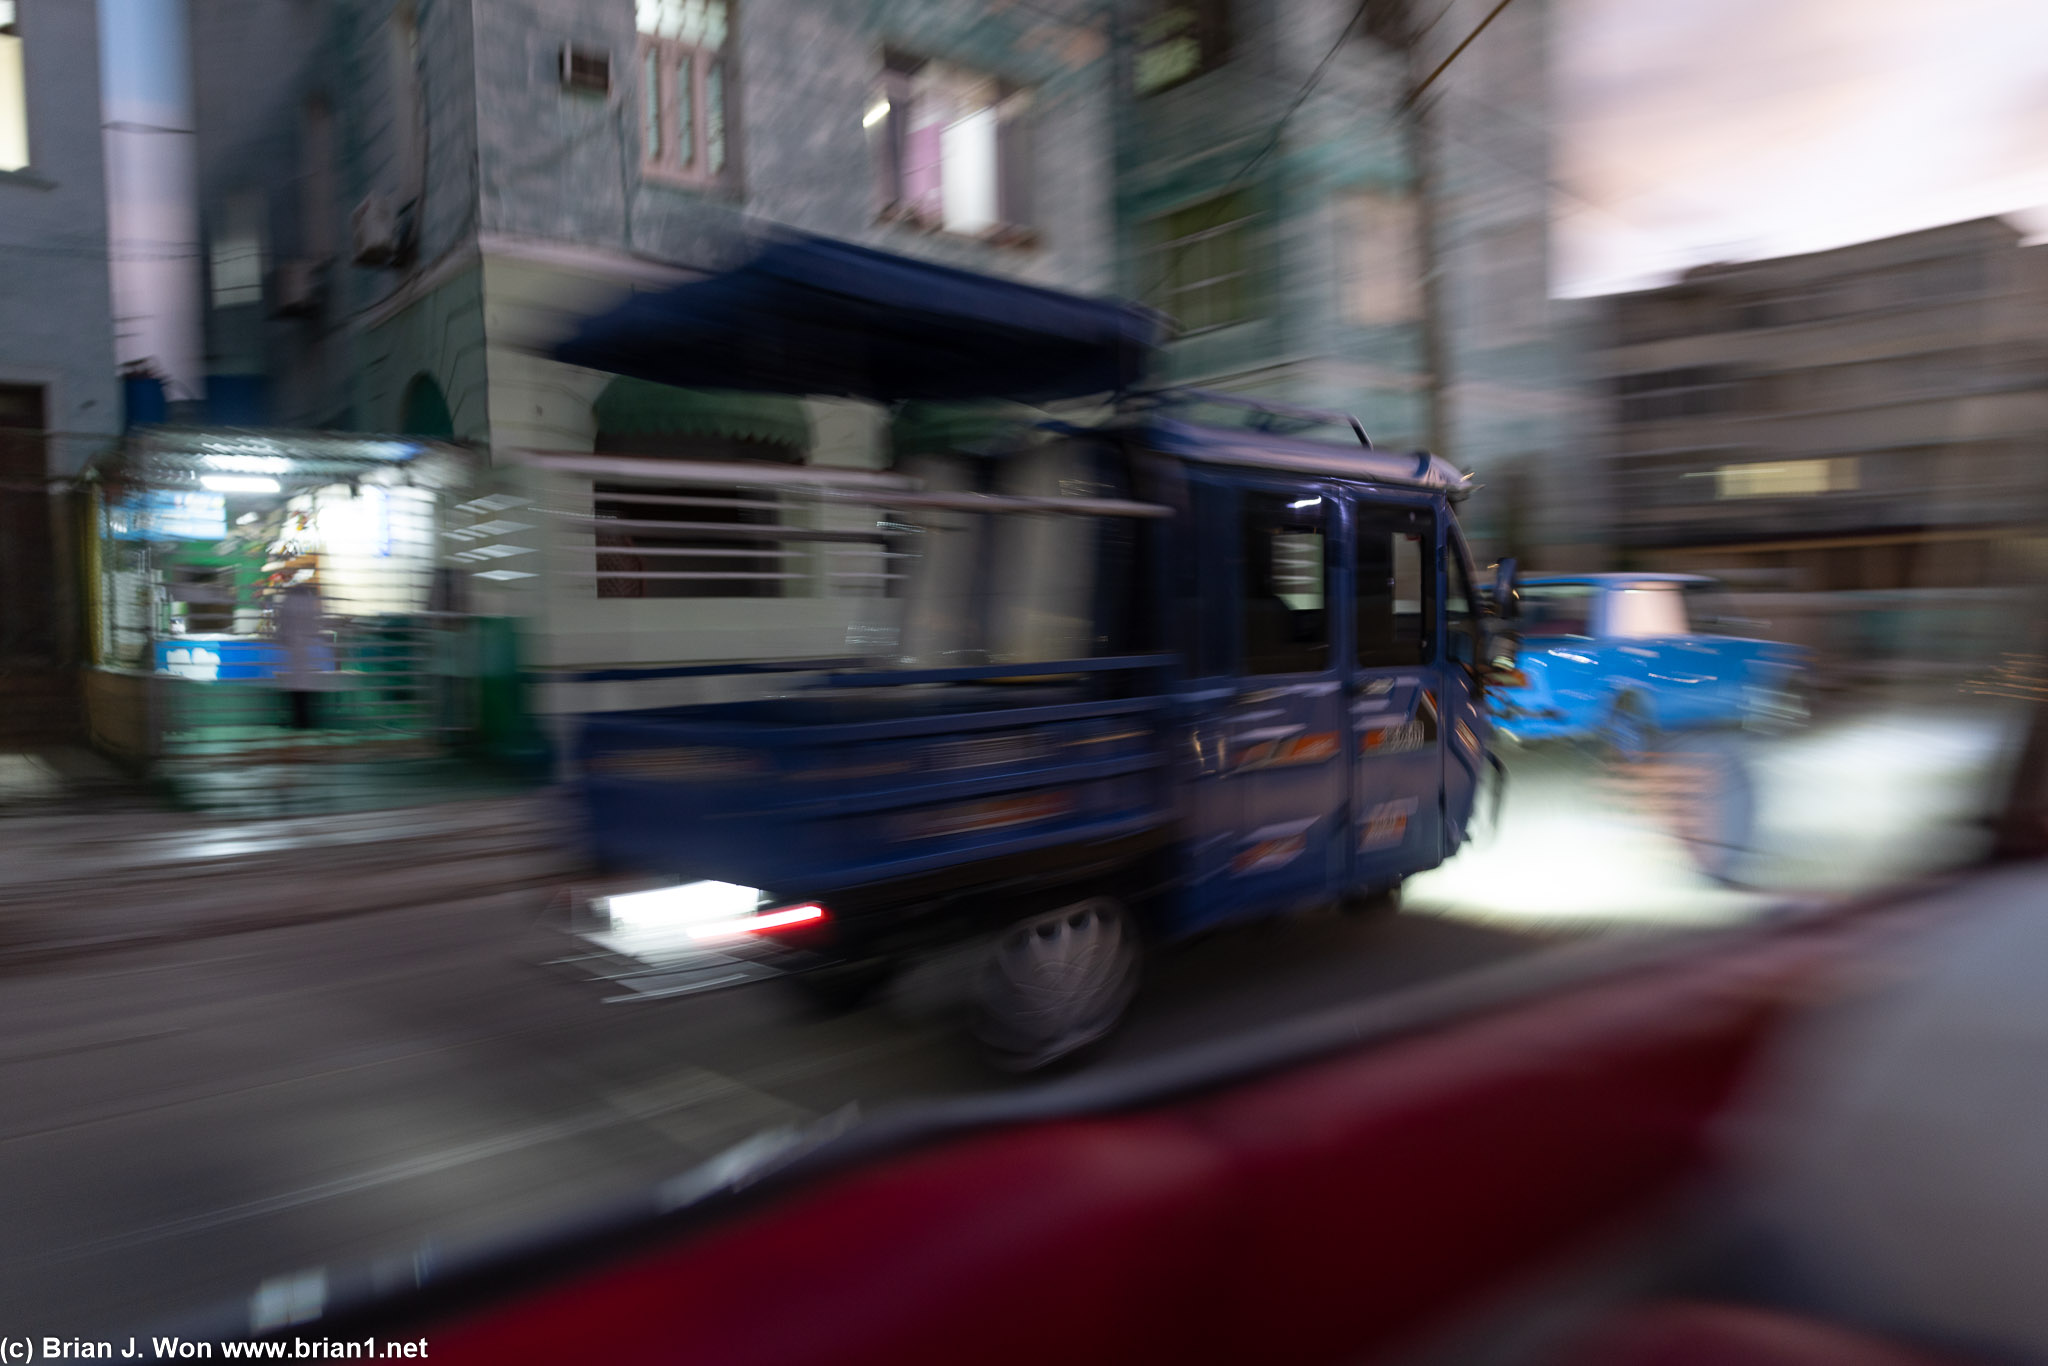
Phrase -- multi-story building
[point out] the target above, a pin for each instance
(59, 394)
(1347, 206)
(1871, 417)
(406, 199)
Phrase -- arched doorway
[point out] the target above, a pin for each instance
(424, 410)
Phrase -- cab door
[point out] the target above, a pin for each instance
(1273, 793)
(1466, 727)
(1678, 679)
(1392, 695)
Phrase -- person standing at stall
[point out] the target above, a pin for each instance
(298, 621)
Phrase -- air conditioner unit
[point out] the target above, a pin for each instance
(296, 288)
(378, 234)
(587, 70)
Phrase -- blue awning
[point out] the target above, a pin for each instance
(813, 316)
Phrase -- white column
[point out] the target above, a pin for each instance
(157, 268)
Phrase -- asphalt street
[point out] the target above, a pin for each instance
(181, 1123)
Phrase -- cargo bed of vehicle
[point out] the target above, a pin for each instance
(885, 777)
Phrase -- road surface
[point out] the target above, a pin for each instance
(182, 1123)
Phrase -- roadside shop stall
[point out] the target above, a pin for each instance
(203, 536)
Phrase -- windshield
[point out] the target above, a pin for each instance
(1644, 611)
(1563, 609)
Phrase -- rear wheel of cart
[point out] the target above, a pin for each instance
(1055, 983)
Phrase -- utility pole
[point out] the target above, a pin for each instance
(1415, 123)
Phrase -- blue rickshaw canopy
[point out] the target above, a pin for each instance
(814, 316)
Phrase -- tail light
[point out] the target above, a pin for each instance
(760, 922)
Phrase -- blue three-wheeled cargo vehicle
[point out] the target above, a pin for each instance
(1202, 660)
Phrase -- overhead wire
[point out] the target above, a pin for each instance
(1308, 86)
(1409, 101)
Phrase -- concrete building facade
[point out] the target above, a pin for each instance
(1348, 207)
(432, 190)
(59, 393)
(1872, 417)
(406, 199)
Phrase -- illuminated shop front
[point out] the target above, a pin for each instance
(203, 534)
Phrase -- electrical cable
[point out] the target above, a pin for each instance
(1272, 140)
(1408, 102)
(1444, 65)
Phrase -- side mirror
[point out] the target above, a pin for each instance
(1507, 594)
(1503, 645)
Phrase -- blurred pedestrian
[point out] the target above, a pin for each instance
(298, 621)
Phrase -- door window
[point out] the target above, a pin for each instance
(1461, 622)
(1395, 586)
(1286, 629)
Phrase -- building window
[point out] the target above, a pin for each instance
(672, 542)
(1955, 277)
(951, 147)
(13, 93)
(28, 607)
(684, 74)
(1179, 40)
(1286, 629)
(408, 108)
(237, 256)
(689, 540)
(1507, 268)
(1201, 258)
(1787, 478)
(1660, 395)
(1382, 259)
(316, 184)
(1678, 312)
(1816, 304)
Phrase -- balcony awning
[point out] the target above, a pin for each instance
(813, 316)
(930, 428)
(637, 407)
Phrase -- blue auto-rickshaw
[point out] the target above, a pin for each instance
(1207, 660)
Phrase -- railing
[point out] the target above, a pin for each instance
(850, 556)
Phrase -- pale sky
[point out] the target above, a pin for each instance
(1717, 130)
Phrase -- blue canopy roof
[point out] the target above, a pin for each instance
(1218, 446)
(814, 316)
